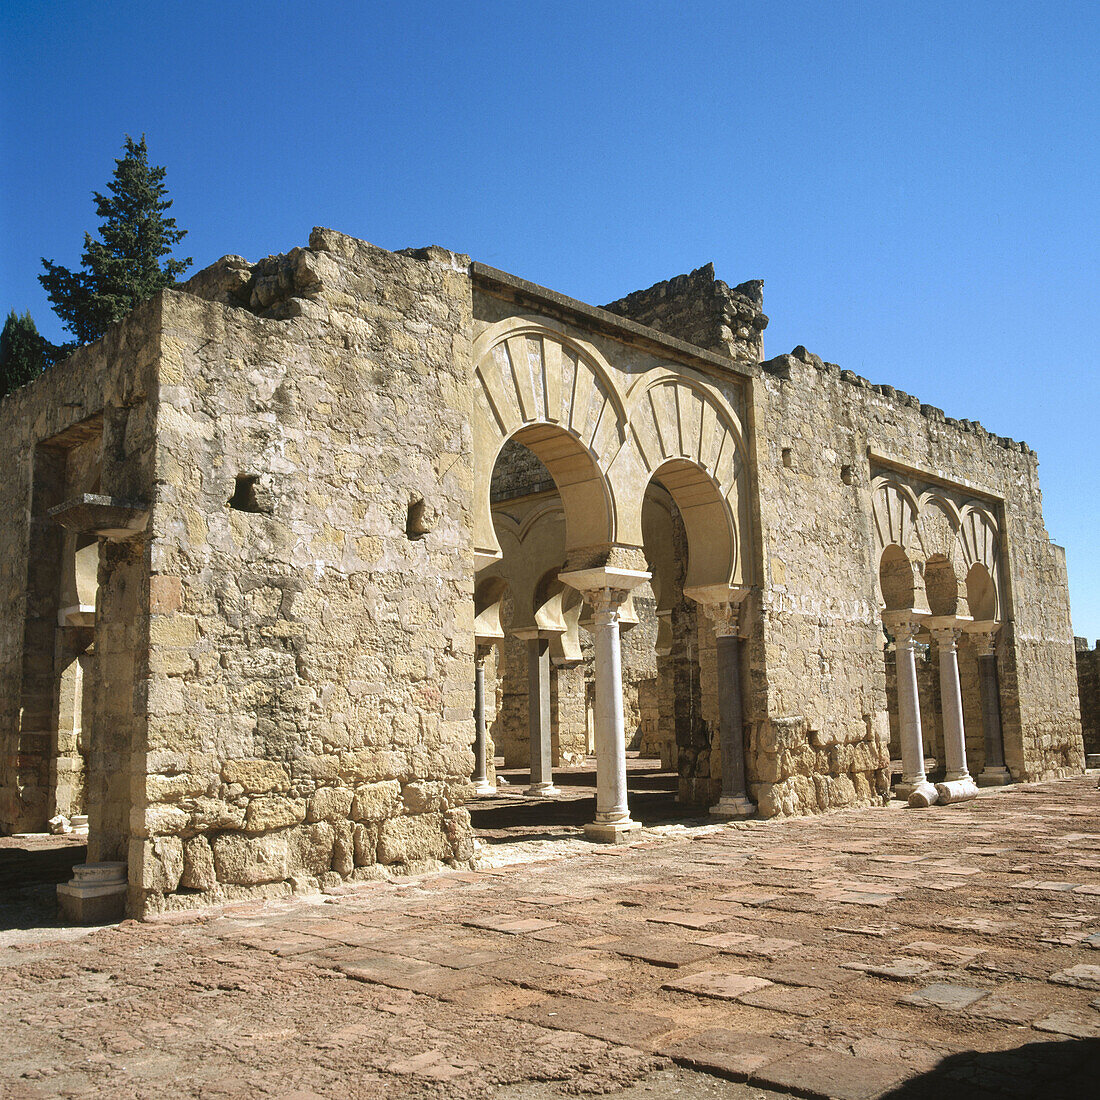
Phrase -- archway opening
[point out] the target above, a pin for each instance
(538, 524)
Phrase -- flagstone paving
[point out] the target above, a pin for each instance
(853, 955)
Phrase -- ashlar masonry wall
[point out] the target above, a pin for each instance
(819, 429)
(310, 691)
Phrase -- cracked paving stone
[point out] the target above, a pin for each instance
(660, 951)
(717, 983)
(897, 970)
(612, 1023)
(819, 1072)
(733, 1054)
(1083, 976)
(1078, 1025)
(944, 995)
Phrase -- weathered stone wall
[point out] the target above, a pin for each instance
(1088, 688)
(822, 649)
(71, 738)
(704, 311)
(311, 672)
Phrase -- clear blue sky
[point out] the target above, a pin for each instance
(918, 184)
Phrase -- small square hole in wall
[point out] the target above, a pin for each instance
(846, 475)
(244, 497)
(416, 523)
(788, 461)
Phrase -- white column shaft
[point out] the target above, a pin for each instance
(954, 735)
(611, 802)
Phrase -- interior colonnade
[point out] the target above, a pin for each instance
(940, 584)
(612, 446)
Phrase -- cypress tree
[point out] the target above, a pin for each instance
(24, 354)
(123, 267)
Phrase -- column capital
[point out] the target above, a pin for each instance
(605, 589)
(946, 631)
(722, 604)
(905, 625)
(983, 637)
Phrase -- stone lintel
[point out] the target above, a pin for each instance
(102, 516)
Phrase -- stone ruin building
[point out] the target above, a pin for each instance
(293, 544)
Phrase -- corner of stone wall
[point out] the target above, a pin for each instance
(310, 688)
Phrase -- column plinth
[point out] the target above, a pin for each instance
(606, 590)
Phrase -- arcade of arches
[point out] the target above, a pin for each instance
(295, 550)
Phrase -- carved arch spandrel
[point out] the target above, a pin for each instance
(932, 527)
(556, 395)
(980, 545)
(894, 510)
(684, 433)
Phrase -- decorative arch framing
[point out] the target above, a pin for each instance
(555, 395)
(930, 527)
(687, 438)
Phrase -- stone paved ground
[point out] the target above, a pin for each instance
(860, 954)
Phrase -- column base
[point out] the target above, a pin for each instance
(96, 894)
(994, 777)
(483, 786)
(922, 794)
(732, 806)
(957, 790)
(538, 790)
(606, 833)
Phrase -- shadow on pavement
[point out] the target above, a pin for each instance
(1068, 1069)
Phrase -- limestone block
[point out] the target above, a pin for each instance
(198, 864)
(343, 848)
(421, 797)
(403, 839)
(215, 813)
(369, 765)
(171, 788)
(256, 776)
(310, 848)
(365, 844)
(460, 833)
(330, 804)
(162, 864)
(376, 801)
(250, 861)
(161, 820)
(273, 812)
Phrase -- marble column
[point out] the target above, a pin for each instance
(958, 784)
(538, 716)
(914, 782)
(994, 773)
(606, 590)
(480, 778)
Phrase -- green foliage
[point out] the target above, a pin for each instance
(123, 268)
(24, 354)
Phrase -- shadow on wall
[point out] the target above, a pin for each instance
(1065, 1070)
